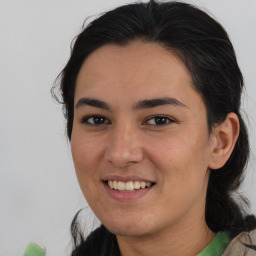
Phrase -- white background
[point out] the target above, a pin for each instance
(39, 194)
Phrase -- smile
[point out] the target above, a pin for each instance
(129, 185)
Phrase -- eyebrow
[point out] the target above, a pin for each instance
(152, 103)
(143, 104)
(93, 103)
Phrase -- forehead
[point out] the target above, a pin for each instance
(137, 70)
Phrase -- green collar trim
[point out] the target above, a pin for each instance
(216, 246)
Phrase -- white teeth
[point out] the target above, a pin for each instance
(121, 185)
(128, 186)
(148, 184)
(115, 185)
(143, 184)
(110, 183)
(136, 184)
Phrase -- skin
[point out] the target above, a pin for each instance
(176, 156)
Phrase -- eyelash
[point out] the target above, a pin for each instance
(157, 118)
(85, 120)
(166, 120)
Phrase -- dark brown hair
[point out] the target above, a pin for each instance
(204, 47)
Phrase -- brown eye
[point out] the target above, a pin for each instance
(95, 120)
(159, 120)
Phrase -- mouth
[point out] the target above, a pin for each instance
(128, 186)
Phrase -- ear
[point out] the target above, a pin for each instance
(224, 137)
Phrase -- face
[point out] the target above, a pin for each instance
(140, 140)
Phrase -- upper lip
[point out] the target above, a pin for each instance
(126, 178)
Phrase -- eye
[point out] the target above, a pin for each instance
(95, 120)
(159, 120)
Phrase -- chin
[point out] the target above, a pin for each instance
(129, 231)
(127, 227)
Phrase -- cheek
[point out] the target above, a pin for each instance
(182, 164)
(181, 158)
(85, 159)
(85, 150)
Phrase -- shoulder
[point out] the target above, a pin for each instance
(243, 244)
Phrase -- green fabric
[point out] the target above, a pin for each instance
(34, 250)
(217, 245)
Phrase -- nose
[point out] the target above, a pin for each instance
(124, 147)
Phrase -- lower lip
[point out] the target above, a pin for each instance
(126, 196)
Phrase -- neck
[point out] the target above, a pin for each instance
(185, 240)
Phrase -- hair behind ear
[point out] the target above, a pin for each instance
(225, 137)
(222, 211)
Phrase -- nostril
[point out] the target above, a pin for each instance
(121, 156)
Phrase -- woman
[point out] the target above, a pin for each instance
(151, 94)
